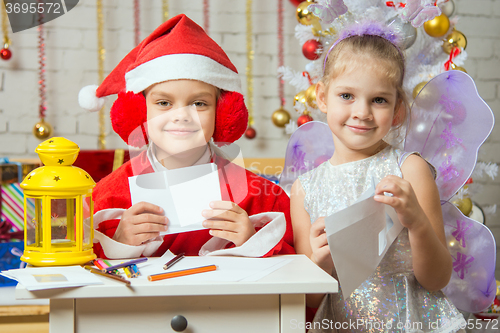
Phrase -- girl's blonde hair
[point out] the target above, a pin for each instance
(340, 57)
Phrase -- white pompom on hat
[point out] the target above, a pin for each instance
(88, 100)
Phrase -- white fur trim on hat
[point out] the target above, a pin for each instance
(182, 66)
(88, 100)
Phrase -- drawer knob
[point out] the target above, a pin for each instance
(179, 323)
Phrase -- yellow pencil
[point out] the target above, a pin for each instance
(183, 272)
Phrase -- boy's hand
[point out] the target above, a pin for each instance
(319, 245)
(228, 221)
(140, 223)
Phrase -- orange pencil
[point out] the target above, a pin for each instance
(183, 272)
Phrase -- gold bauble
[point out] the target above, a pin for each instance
(280, 117)
(438, 26)
(464, 205)
(42, 130)
(311, 96)
(304, 16)
(417, 88)
(300, 98)
(454, 39)
(457, 68)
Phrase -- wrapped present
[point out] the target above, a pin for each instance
(14, 171)
(100, 163)
(10, 258)
(12, 206)
(11, 195)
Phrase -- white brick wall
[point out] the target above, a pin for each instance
(72, 63)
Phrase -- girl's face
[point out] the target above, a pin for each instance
(181, 118)
(360, 106)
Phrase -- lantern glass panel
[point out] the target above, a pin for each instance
(88, 212)
(63, 222)
(34, 222)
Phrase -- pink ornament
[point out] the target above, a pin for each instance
(310, 49)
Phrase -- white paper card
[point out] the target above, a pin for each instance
(52, 277)
(359, 237)
(183, 194)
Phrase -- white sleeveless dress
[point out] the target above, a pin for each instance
(391, 299)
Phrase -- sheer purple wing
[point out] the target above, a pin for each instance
(426, 14)
(448, 124)
(309, 146)
(328, 10)
(472, 286)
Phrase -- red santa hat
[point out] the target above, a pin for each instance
(177, 49)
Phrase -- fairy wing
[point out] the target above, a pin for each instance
(448, 124)
(309, 146)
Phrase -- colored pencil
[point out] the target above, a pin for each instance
(125, 264)
(98, 264)
(108, 275)
(183, 272)
(134, 270)
(127, 271)
(173, 261)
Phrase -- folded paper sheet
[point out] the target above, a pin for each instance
(182, 193)
(358, 237)
(37, 278)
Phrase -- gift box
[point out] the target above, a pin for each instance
(100, 163)
(11, 195)
(14, 171)
(10, 258)
(12, 206)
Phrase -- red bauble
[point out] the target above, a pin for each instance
(305, 118)
(5, 54)
(250, 133)
(296, 3)
(310, 49)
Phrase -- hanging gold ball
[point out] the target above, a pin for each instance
(300, 98)
(454, 39)
(42, 130)
(280, 117)
(304, 16)
(464, 205)
(457, 68)
(438, 26)
(417, 89)
(311, 96)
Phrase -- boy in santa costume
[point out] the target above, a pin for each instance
(175, 88)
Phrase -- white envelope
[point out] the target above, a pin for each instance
(359, 237)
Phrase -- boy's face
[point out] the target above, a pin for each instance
(181, 116)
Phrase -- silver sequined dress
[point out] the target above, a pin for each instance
(391, 300)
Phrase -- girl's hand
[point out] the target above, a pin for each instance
(140, 223)
(228, 221)
(402, 199)
(319, 245)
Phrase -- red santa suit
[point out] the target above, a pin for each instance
(267, 205)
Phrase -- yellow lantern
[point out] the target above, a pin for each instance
(60, 230)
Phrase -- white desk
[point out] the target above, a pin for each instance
(269, 305)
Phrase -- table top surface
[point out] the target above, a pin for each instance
(300, 276)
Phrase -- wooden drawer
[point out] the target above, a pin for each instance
(238, 313)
